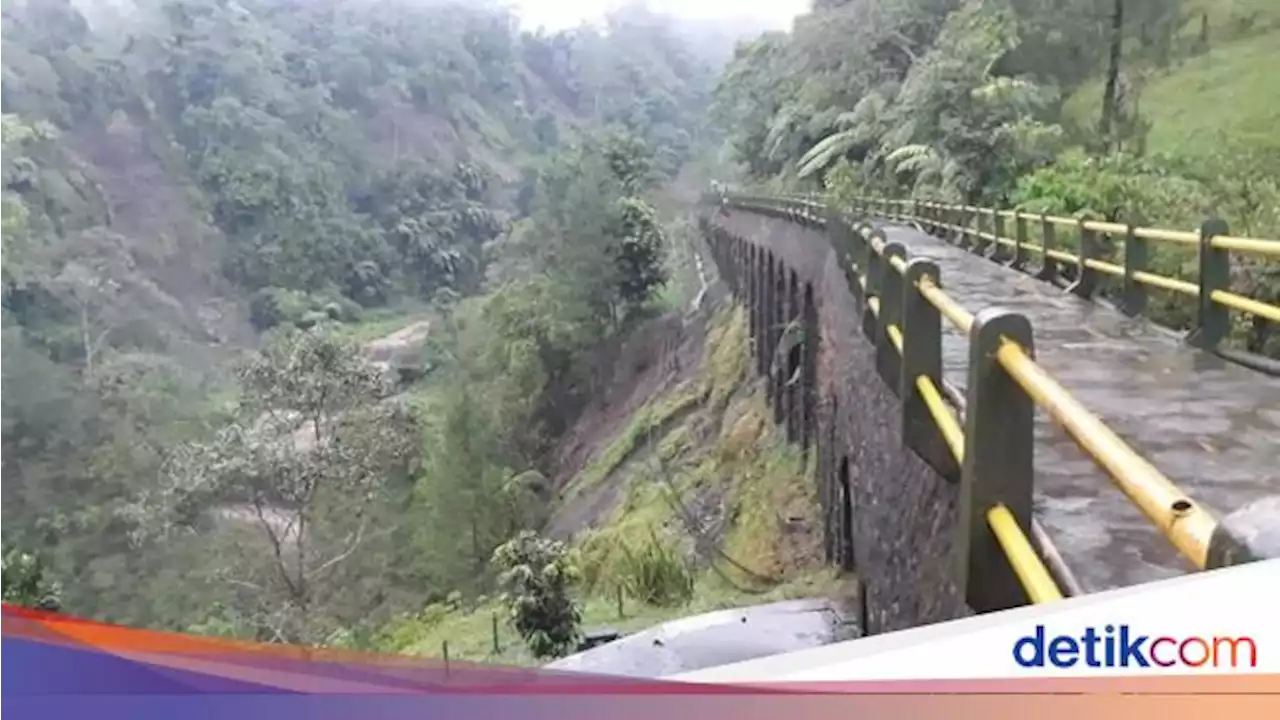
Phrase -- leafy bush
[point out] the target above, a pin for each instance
(24, 581)
(1118, 187)
(537, 577)
(272, 306)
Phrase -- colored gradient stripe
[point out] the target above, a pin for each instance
(58, 666)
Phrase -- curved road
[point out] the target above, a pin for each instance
(1211, 426)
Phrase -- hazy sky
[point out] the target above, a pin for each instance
(561, 14)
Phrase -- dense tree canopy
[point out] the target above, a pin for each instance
(181, 175)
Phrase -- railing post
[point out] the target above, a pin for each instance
(840, 234)
(1086, 277)
(875, 280)
(888, 359)
(991, 245)
(1246, 535)
(1134, 302)
(922, 356)
(977, 244)
(998, 461)
(1048, 238)
(1019, 258)
(1215, 274)
(862, 248)
(1000, 253)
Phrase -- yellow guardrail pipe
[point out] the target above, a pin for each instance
(947, 423)
(1234, 301)
(1188, 526)
(1024, 560)
(895, 337)
(959, 317)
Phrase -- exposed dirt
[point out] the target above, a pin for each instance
(655, 358)
(384, 348)
(174, 250)
(402, 349)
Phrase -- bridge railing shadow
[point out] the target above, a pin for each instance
(982, 438)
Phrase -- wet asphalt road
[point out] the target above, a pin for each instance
(1211, 426)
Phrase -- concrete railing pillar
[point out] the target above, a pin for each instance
(1248, 534)
(998, 463)
(888, 359)
(922, 357)
(1086, 283)
(1134, 301)
(1048, 238)
(1215, 274)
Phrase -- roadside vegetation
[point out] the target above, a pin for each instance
(1147, 111)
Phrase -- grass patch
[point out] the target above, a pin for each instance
(728, 352)
(380, 322)
(656, 573)
(1226, 93)
(770, 490)
(469, 631)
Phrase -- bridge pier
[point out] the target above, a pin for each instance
(809, 346)
(885, 514)
(777, 379)
(790, 357)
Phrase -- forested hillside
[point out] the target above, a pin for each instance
(356, 322)
(208, 204)
(1155, 111)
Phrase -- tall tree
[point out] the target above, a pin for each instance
(1111, 89)
(307, 462)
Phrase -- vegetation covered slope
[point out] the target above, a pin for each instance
(1156, 111)
(183, 175)
(687, 500)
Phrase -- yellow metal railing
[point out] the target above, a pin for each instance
(1188, 526)
(1211, 284)
(1024, 560)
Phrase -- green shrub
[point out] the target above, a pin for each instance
(25, 581)
(537, 577)
(656, 574)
